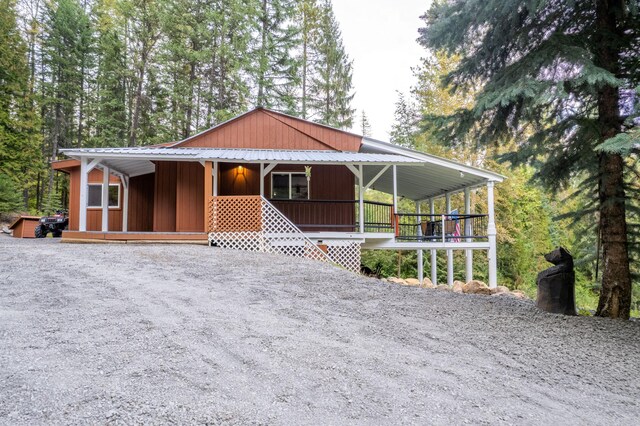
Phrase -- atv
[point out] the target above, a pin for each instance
(54, 224)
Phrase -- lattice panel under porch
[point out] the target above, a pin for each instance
(345, 253)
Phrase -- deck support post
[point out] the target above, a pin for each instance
(125, 203)
(361, 197)
(434, 253)
(106, 174)
(449, 251)
(215, 178)
(468, 267)
(420, 252)
(491, 232)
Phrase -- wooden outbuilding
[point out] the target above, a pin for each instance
(25, 226)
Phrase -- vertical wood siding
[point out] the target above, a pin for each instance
(262, 129)
(164, 206)
(190, 197)
(232, 181)
(141, 195)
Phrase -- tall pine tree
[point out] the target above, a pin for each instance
(553, 74)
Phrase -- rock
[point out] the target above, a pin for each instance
(457, 286)
(500, 289)
(412, 282)
(443, 287)
(519, 295)
(426, 283)
(395, 280)
(476, 287)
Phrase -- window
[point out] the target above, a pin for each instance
(95, 195)
(292, 186)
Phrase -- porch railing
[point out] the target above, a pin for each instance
(440, 227)
(336, 215)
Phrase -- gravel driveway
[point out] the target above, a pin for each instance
(191, 334)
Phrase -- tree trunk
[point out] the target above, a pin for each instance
(615, 295)
(137, 99)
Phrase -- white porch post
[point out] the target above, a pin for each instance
(434, 253)
(125, 204)
(214, 171)
(420, 261)
(467, 231)
(361, 197)
(491, 232)
(82, 224)
(106, 173)
(449, 251)
(395, 189)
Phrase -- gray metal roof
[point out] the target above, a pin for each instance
(419, 176)
(241, 155)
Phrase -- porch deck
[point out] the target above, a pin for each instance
(135, 237)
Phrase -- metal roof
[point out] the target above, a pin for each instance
(240, 155)
(419, 176)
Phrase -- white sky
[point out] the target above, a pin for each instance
(380, 36)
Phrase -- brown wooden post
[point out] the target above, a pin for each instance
(208, 192)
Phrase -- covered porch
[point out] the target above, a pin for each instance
(333, 208)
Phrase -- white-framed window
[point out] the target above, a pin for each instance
(289, 185)
(94, 195)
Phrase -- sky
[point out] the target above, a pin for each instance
(380, 37)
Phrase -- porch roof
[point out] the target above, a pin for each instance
(419, 176)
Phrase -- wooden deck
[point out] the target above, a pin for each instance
(135, 237)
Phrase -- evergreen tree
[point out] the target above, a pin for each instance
(66, 44)
(330, 88)
(19, 141)
(404, 128)
(276, 69)
(308, 14)
(365, 126)
(110, 109)
(553, 75)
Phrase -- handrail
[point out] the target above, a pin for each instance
(440, 227)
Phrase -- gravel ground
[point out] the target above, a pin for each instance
(191, 334)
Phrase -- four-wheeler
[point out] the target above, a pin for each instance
(54, 224)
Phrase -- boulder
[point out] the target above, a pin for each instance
(443, 287)
(414, 282)
(476, 287)
(457, 287)
(500, 289)
(395, 280)
(519, 294)
(426, 283)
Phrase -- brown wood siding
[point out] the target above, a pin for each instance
(141, 195)
(233, 181)
(190, 197)
(164, 203)
(25, 228)
(327, 183)
(94, 216)
(262, 129)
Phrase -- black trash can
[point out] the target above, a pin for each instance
(556, 285)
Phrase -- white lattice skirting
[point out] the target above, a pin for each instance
(276, 234)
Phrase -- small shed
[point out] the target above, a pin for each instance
(25, 226)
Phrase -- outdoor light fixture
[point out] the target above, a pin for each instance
(240, 170)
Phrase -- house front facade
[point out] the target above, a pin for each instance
(271, 182)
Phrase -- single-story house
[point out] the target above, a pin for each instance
(271, 182)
